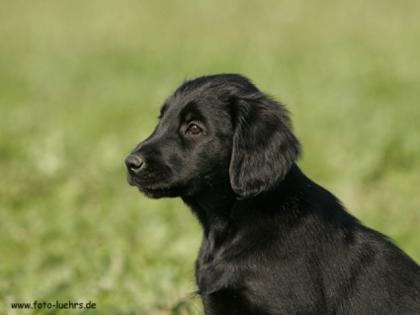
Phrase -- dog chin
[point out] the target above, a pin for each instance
(157, 193)
(158, 190)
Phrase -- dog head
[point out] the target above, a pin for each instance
(213, 131)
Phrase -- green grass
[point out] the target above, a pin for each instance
(82, 81)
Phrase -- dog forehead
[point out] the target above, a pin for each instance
(195, 102)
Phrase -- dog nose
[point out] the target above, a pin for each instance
(134, 163)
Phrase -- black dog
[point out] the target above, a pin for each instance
(274, 241)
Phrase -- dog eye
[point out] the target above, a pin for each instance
(193, 129)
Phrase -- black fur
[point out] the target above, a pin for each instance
(274, 242)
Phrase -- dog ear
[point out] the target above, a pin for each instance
(264, 147)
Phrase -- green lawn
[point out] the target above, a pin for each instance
(81, 82)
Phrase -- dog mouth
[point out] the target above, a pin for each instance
(153, 189)
(141, 183)
(131, 180)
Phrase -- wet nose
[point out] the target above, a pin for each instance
(134, 163)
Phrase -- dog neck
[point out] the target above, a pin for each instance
(212, 207)
(216, 208)
(224, 218)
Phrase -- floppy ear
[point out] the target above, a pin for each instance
(264, 147)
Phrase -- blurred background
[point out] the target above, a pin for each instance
(81, 83)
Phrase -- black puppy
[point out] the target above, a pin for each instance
(274, 241)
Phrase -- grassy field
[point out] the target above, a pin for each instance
(81, 82)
